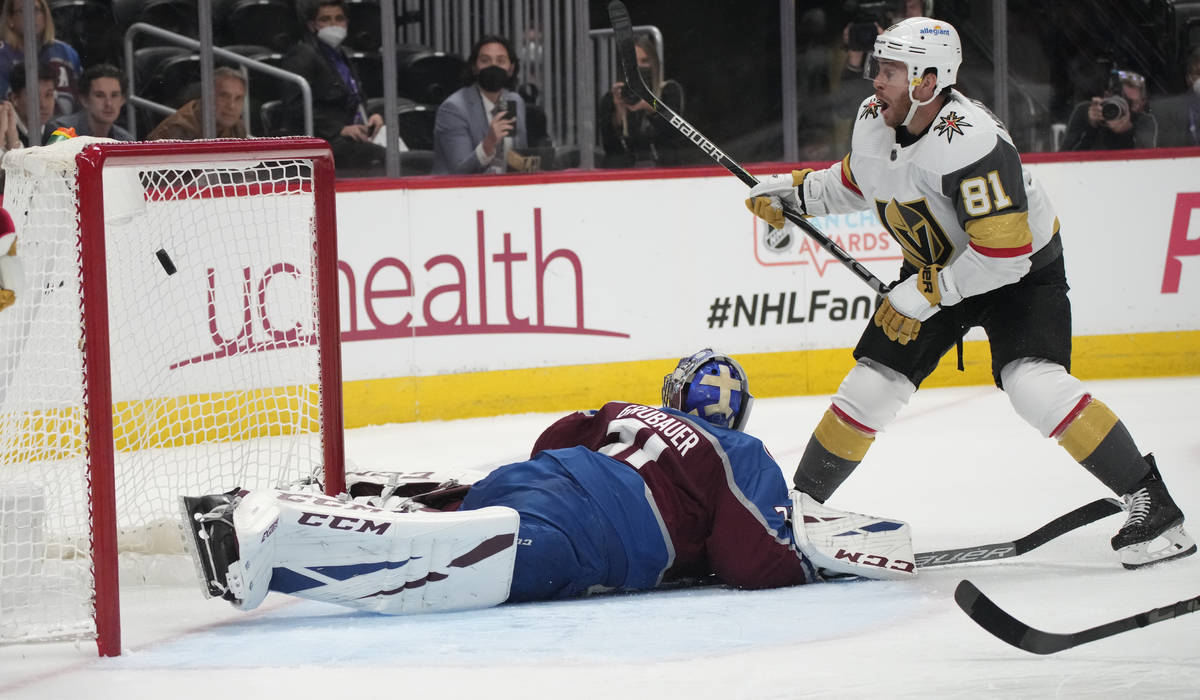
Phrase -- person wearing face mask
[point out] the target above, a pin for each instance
(1180, 114)
(630, 135)
(474, 131)
(339, 100)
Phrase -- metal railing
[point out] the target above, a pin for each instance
(206, 51)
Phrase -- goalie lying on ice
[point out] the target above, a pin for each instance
(624, 498)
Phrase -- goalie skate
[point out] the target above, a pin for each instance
(1153, 531)
(211, 541)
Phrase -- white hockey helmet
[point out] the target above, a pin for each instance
(921, 43)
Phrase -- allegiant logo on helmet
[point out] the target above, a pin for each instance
(936, 30)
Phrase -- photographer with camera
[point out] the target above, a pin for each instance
(1120, 119)
(867, 21)
(629, 134)
(481, 126)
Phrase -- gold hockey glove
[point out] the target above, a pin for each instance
(767, 197)
(909, 303)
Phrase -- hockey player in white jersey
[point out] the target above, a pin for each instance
(982, 248)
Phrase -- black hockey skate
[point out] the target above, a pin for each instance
(1152, 514)
(213, 543)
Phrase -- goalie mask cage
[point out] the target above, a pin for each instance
(174, 333)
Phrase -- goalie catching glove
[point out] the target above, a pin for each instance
(915, 299)
(795, 190)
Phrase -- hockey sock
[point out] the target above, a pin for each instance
(835, 449)
(1094, 436)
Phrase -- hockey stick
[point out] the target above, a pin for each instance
(1009, 629)
(1083, 515)
(627, 56)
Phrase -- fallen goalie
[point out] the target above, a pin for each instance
(628, 497)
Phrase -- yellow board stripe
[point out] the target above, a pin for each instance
(1088, 430)
(242, 415)
(800, 373)
(173, 422)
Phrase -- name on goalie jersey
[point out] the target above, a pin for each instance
(674, 430)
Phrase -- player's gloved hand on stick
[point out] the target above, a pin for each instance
(910, 302)
(772, 192)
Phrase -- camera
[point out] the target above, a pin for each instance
(1114, 107)
(628, 96)
(866, 17)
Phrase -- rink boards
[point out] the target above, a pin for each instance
(502, 294)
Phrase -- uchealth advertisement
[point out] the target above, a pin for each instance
(497, 278)
(517, 277)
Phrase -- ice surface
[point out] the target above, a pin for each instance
(958, 464)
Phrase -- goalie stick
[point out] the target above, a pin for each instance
(627, 56)
(1009, 629)
(1083, 515)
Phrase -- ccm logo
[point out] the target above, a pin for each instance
(875, 560)
(696, 137)
(342, 522)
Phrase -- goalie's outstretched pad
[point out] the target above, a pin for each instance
(852, 543)
(338, 551)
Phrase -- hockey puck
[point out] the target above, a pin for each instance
(165, 261)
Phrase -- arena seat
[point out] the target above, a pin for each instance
(270, 23)
(427, 76)
(363, 16)
(177, 16)
(89, 27)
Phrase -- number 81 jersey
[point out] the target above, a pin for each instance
(958, 187)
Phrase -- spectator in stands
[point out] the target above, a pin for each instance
(187, 123)
(1180, 114)
(20, 99)
(60, 56)
(474, 131)
(102, 92)
(1118, 119)
(9, 140)
(629, 133)
(339, 103)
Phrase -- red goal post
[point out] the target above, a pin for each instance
(175, 333)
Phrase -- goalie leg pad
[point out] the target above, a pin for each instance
(337, 551)
(852, 543)
(363, 557)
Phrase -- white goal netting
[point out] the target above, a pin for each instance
(213, 327)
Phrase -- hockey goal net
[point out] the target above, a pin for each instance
(174, 333)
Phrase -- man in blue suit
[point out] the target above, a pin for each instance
(474, 132)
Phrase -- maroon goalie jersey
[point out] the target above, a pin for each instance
(722, 498)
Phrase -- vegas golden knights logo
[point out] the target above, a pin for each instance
(918, 233)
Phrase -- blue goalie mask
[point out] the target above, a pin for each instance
(711, 386)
